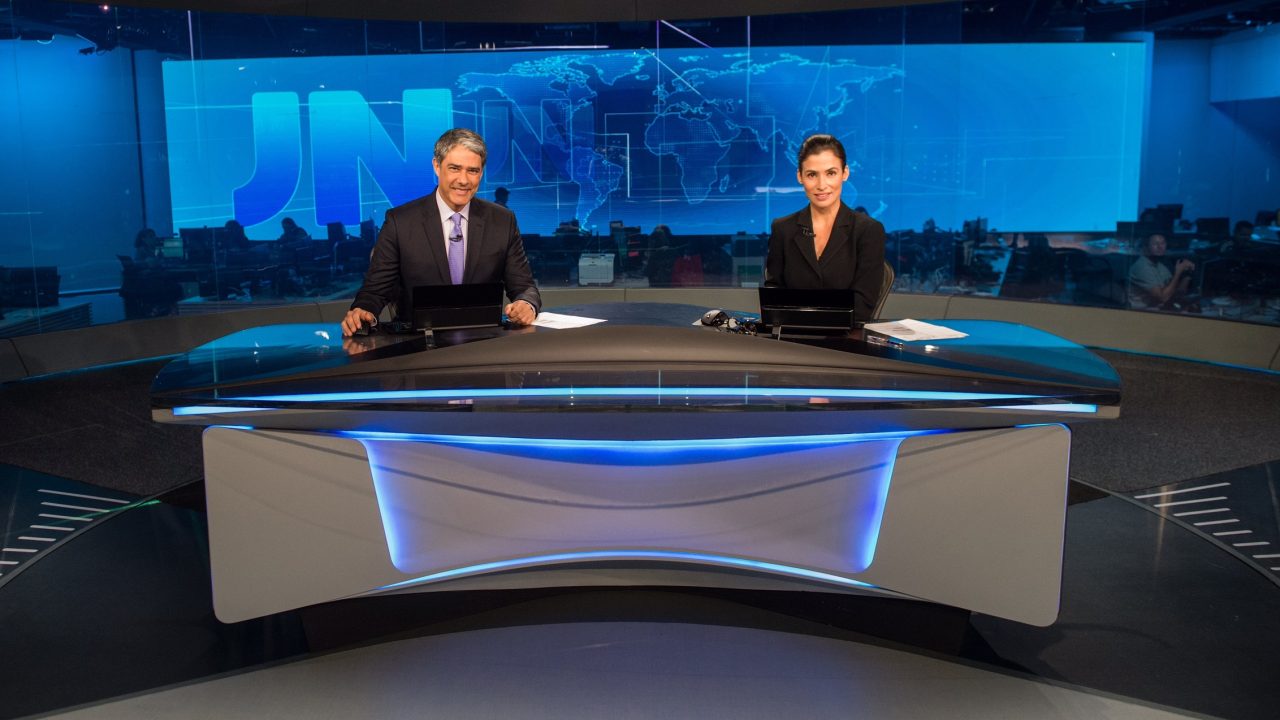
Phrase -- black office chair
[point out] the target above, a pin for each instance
(885, 286)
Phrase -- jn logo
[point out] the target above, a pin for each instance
(346, 137)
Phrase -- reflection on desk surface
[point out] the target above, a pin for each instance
(649, 346)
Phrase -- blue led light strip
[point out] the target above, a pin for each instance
(213, 410)
(569, 557)
(631, 392)
(1057, 407)
(1052, 407)
(639, 445)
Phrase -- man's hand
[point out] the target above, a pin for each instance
(1184, 266)
(521, 312)
(355, 318)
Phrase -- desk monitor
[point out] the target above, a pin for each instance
(1213, 227)
(796, 309)
(1165, 216)
(449, 307)
(173, 248)
(197, 244)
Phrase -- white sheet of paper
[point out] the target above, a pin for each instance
(908, 330)
(563, 322)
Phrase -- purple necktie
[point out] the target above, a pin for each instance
(457, 253)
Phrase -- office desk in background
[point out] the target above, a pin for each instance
(641, 451)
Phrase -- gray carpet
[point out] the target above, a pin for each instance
(1179, 420)
(95, 427)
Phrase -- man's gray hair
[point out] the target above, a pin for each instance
(468, 139)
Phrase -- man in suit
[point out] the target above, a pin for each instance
(447, 237)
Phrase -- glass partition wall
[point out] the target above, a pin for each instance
(163, 162)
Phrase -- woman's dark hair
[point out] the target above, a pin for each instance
(815, 144)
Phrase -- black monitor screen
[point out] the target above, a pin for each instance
(1213, 227)
(441, 307)
(815, 298)
(198, 243)
(827, 309)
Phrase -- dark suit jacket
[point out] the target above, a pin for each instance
(411, 251)
(853, 258)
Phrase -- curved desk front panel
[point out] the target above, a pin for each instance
(636, 454)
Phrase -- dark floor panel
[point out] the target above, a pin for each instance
(1238, 509)
(1150, 611)
(123, 606)
(38, 512)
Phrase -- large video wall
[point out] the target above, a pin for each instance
(703, 141)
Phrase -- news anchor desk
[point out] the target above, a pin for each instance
(640, 451)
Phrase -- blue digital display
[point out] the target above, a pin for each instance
(1042, 137)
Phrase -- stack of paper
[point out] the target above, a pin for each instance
(908, 330)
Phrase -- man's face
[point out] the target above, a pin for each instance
(1156, 246)
(459, 174)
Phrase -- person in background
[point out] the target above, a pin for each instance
(1241, 236)
(146, 246)
(825, 244)
(292, 232)
(234, 238)
(1151, 283)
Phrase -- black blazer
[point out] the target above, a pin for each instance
(410, 251)
(853, 258)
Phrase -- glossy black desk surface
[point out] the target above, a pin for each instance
(647, 355)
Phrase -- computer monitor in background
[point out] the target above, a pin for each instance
(1161, 217)
(1213, 227)
(337, 232)
(1136, 233)
(1265, 218)
(197, 244)
(368, 232)
(219, 237)
(171, 249)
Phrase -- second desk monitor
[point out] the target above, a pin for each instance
(807, 310)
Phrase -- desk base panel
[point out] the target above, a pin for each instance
(972, 519)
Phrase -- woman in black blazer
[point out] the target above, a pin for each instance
(827, 245)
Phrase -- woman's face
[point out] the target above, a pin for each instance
(823, 175)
